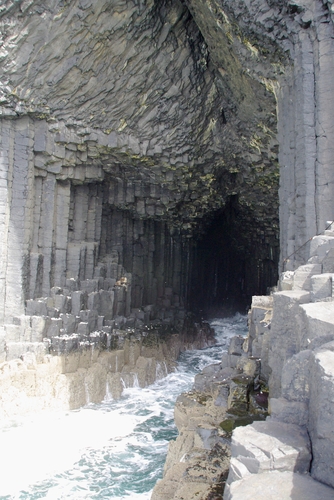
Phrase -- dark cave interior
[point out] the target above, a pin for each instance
(229, 267)
(216, 269)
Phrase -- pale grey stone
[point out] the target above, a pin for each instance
(318, 324)
(302, 276)
(290, 412)
(287, 333)
(321, 409)
(235, 350)
(2, 345)
(36, 308)
(295, 377)
(15, 350)
(83, 328)
(283, 485)
(54, 327)
(90, 317)
(320, 245)
(79, 300)
(272, 445)
(69, 322)
(38, 328)
(107, 304)
(13, 333)
(328, 261)
(321, 286)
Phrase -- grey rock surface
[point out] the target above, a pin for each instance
(125, 128)
(300, 359)
(291, 412)
(119, 117)
(278, 486)
(320, 413)
(270, 445)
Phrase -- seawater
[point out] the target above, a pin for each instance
(113, 450)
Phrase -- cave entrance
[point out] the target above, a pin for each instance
(231, 263)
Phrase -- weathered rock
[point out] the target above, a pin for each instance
(295, 377)
(238, 396)
(270, 445)
(302, 277)
(321, 408)
(235, 349)
(199, 474)
(282, 485)
(286, 326)
(128, 130)
(39, 381)
(212, 377)
(291, 412)
(318, 323)
(321, 286)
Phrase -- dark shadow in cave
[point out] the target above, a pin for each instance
(231, 263)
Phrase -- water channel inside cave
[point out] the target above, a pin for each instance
(113, 450)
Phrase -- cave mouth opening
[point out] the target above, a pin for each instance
(231, 263)
(214, 272)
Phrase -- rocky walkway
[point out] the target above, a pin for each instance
(290, 351)
(222, 398)
(290, 456)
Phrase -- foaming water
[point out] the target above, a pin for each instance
(113, 450)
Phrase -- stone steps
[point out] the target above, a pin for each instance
(300, 344)
(86, 312)
(267, 446)
(278, 486)
(271, 460)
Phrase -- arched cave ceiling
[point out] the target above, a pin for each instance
(185, 88)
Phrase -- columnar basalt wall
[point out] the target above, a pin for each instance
(121, 147)
(291, 332)
(291, 46)
(142, 146)
(78, 262)
(132, 135)
(91, 373)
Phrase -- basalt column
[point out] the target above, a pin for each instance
(139, 166)
(152, 257)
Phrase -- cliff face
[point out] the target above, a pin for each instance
(139, 157)
(291, 332)
(142, 142)
(292, 50)
(126, 138)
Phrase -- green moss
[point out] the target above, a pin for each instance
(42, 116)
(227, 425)
(203, 399)
(269, 84)
(239, 409)
(242, 380)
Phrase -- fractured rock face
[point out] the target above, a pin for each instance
(137, 85)
(122, 141)
(267, 446)
(283, 485)
(320, 414)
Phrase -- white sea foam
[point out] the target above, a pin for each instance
(115, 450)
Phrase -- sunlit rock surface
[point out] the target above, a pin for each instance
(139, 173)
(91, 373)
(296, 326)
(287, 485)
(141, 148)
